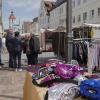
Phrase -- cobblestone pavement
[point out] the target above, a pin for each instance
(11, 85)
(11, 82)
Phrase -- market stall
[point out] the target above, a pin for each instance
(32, 92)
(46, 78)
(85, 44)
(56, 79)
(45, 39)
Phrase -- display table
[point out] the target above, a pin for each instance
(32, 92)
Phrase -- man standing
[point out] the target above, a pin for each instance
(9, 45)
(17, 49)
(34, 45)
(1, 52)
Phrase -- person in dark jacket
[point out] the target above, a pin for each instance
(9, 44)
(1, 52)
(26, 48)
(17, 49)
(34, 45)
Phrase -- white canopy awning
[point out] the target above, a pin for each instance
(43, 30)
(92, 25)
(88, 25)
(50, 0)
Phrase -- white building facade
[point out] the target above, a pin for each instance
(86, 11)
(43, 18)
(58, 17)
(34, 26)
(83, 11)
(1, 26)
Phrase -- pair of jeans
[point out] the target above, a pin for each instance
(17, 59)
(11, 60)
(32, 59)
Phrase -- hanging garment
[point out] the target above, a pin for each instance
(80, 53)
(96, 57)
(85, 52)
(90, 58)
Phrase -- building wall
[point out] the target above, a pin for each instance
(88, 10)
(26, 27)
(43, 18)
(1, 26)
(34, 28)
(58, 16)
(83, 11)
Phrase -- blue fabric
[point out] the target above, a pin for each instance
(91, 89)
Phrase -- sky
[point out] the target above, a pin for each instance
(25, 10)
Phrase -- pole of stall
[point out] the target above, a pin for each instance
(69, 35)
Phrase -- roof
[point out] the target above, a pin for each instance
(35, 19)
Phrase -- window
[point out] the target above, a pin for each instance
(48, 19)
(79, 2)
(84, 1)
(74, 19)
(60, 11)
(98, 11)
(79, 18)
(91, 13)
(73, 4)
(85, 16)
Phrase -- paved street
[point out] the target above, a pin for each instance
(11, 82)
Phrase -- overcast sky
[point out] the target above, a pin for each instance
(23, 9)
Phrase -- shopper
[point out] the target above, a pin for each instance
(9, 43)
(1, 52)
(17, 49)
(4, 50)
(26, 48)
(34, 45)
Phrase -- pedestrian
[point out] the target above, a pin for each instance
(1, 52)
(3, 45)
(9, 45)
(34, 45)
(17, 50)
(26, 48)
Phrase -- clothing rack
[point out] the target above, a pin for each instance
(86, 39)
(92, 41)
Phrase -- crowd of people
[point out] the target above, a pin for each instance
(16, 44)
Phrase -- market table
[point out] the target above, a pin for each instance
(32, 92)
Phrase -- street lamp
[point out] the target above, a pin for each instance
(12, 18)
